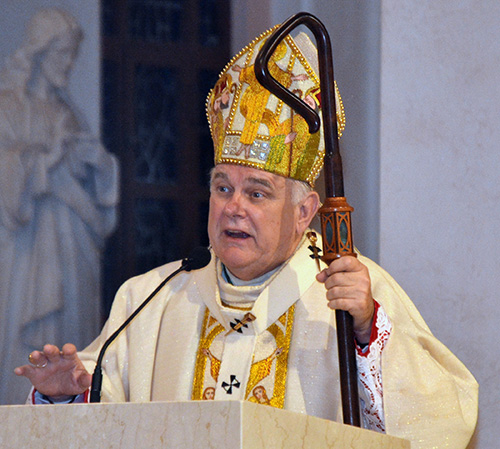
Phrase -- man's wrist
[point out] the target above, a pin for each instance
(363, 334)
(365, 338)
(38, 398)
(64, 399)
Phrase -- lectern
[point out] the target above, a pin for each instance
(179, 425)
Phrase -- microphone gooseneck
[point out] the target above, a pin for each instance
(199, 258)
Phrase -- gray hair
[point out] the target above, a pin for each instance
(299, 189)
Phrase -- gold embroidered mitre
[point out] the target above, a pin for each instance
(252, 127)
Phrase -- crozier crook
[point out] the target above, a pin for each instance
(335, 213)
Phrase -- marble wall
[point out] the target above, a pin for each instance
(439, 171)
(421, 159)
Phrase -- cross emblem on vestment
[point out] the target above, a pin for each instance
(232, 383)
(237, 326)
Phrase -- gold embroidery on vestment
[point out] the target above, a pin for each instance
(210, 329)
(262, 368)
(267, 375)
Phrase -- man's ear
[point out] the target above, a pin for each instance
(308, 208)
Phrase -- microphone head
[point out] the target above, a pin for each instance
(199, 258)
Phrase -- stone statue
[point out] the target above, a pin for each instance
(58, 199)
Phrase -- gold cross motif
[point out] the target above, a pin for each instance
(311, 235)
(248, 318)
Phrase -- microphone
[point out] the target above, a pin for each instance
(199, 258)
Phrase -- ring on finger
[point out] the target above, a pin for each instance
(32, 361)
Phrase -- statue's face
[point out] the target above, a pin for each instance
(57, 61)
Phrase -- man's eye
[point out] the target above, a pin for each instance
(257, 195)
(223, 189)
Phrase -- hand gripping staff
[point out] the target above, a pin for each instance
(335, 213)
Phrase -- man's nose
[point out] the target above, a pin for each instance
(235, 205)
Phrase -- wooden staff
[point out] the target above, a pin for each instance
(335, 213)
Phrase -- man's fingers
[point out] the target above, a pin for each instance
(52, 353)
(339, 304)
(344, 264)
(38, 359)
(84, 380)
(68, 351)
(23, 370)
(341, 292)
(322, 276)
(28, 371)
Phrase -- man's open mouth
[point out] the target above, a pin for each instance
(237, 234)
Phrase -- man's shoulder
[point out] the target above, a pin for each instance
(390, 294)
(378, 274)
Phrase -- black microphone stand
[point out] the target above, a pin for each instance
(198, 259)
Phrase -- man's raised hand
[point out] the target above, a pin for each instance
(56, 373)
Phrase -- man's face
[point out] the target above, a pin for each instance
(252, 223)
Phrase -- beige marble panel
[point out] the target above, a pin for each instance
(178, 425)
(266, 427)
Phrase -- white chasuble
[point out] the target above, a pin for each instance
(179, 348)
(237, 357)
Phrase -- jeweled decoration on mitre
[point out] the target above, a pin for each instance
(252, 127)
